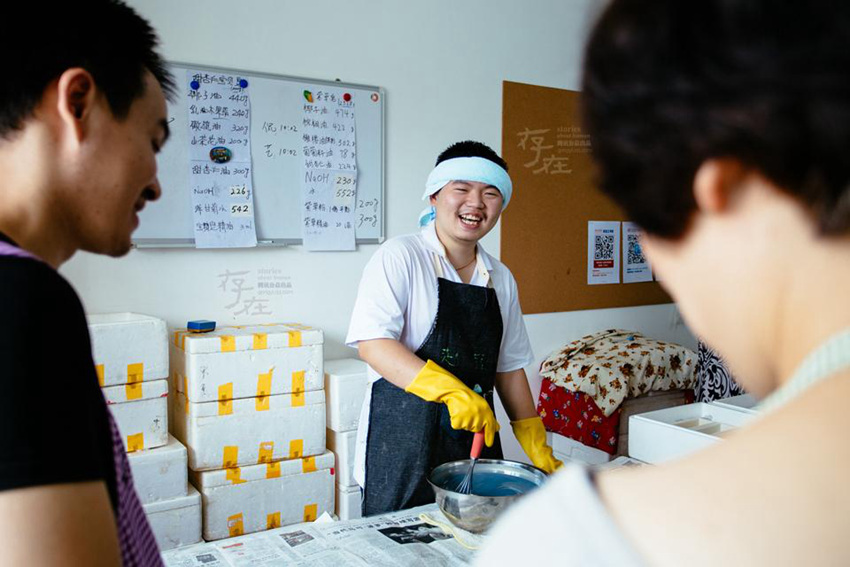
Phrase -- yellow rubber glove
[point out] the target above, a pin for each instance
(532, 436)
(467, 409)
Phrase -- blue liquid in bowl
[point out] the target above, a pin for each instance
(486, 483)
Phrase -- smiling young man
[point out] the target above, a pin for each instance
(82, 115)
(439, 323)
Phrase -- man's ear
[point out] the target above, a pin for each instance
(76, 98)
(714, 182)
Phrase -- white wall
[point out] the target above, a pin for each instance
(442, 64)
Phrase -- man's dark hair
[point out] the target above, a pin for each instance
(106, 37)
(668, 84)
(470, 148)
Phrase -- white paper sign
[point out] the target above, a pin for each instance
(603, 252)
(329, 184)
(219, 124)
(635, 265)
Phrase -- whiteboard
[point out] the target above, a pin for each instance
(276, 143)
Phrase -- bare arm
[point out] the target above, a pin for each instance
(515, 394)
(391, 359)
(59, 524)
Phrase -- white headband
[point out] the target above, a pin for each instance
(465, 169)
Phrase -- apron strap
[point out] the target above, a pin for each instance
(479, 266)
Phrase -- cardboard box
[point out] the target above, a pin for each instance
(570, 450)
(250, 431)
(176, 522)
(348, 502)
(345, 385)
(128, 348)
(245, 362)
(161, 473)
(343, 446)
(671, 433)
(249, 499)
(140, 410)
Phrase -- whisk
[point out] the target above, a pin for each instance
(465, 486)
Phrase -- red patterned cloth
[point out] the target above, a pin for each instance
(576, 415)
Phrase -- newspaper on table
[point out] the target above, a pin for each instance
(399, 538)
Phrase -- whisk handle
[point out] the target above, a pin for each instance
(477, 444)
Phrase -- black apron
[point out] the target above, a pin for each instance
(408, 436)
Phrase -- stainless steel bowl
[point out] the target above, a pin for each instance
(471, 512)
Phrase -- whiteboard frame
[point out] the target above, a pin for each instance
(148, 243)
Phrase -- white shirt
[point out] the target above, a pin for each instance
(397, 299)
(562, 523)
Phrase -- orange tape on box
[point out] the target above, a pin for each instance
(225, 399)
(298, 399)
(310, 512)
(273, 470)
(266, 452)
(135, 442)
(228, 343)
(273, 521)
(235, 526)
(231, 457)
(296, 448)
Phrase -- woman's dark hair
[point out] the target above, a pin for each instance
(670, 83)
(470, 148)
(105, 37)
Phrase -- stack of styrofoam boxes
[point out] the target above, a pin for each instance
(250, 408)
(345, 387)
(132, 367)
(172, 505)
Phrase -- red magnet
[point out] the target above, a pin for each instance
(346, 97)
(374, 97)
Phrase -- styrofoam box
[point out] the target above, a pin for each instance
(244, 362)
(345, 383)
(745, 402)
(567, 449)
(348, 502)
(161, 473)
(141, 413)
(259, 497)
(343, 446)
(666, 434)
(251, 430)
(176, 522)
(128, 347)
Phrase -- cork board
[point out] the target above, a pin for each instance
(544, 230)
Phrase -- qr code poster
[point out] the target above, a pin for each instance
(603, 252)
(635, 265)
